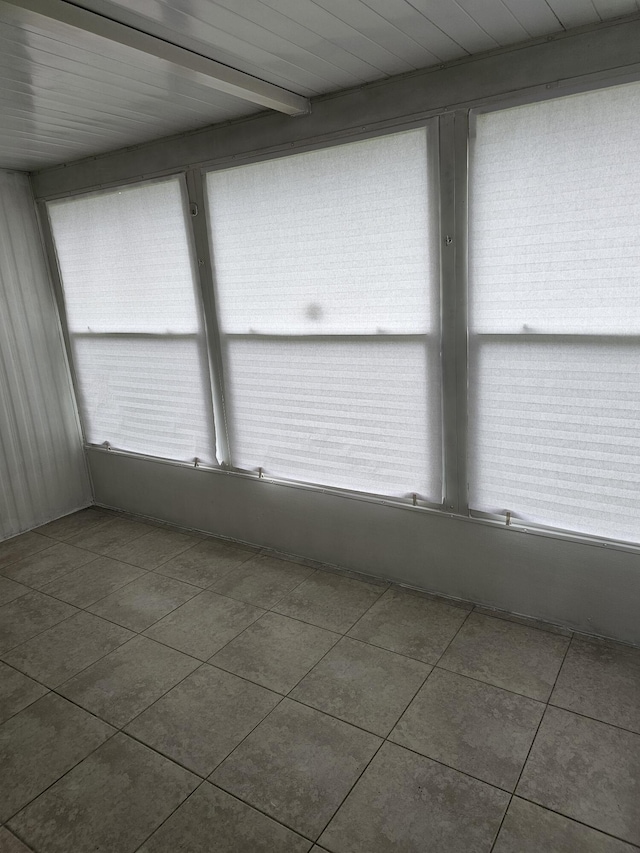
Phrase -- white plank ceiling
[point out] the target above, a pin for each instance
(66, 93)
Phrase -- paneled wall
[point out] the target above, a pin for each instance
(43, 472)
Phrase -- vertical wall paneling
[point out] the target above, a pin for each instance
(43, 473)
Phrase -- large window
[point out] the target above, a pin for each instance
(554, 272)
(134, 322)
(327, 284)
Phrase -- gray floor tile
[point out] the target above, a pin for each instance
(69, 647)
(362, 684)
(512, 656)
(210, 814)
(203, 718)
(523, 620)
(10, 844)
(16, 692)
(29, 615)
(77, 522)
(125, 682)
(10, 590)
(110, 802)
(41, 743)
(139, 604)
(297, 766)
(45, 566)
(109, 534)
(154, 548)
(276, 651)
(92, 582)
(527, 828)
(22, 546)
(474, 727)
(410, 624)
(202, 626)
(405, 803)
(330, 601)
(207, 562)
(587, 770)
(262, 581)
(601, 680)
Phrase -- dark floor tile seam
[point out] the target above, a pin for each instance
(490, 684)
(531, 745)
(33, 553)
(61, 776)
(38, 633)
(519, 619)
(173, 811)
(26, 707)
(275, 604)
(593, 719)
(63, 575)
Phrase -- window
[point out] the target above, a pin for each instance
(555, 313)
(134, 322)
(327, 287)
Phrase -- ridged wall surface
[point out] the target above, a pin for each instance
(42, 468)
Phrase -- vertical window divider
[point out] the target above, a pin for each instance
(453, 148)
(206, 281)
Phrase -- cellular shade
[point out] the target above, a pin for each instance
(555, 313)
(135, 325)
(327, 291)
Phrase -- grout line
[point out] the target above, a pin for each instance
(533, 740)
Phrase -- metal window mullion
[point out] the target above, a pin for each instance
(205, 278)
(453, 275)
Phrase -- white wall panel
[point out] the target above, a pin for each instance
(42, 468)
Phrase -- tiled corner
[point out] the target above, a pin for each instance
(601, 679)
(121, 685)
(528, 828)
(201, 720)
(154, 548)
(207, 562)
(473, 727)
(10, 844)
(77, 522)
(405, 803)
(69, 647)
(515, 657)
(29, 615)
(210, 814)
(297, 766)
(113, 800)
(90, 583)
(17, 691)
(205, 624)
(410, 624)
(330, 601)
(363, 685)
(41, 743)
(586, 770)
(45, 566)
(262, 581)
(137, 605)
(275, 651)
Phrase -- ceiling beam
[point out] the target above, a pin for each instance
(199, 69)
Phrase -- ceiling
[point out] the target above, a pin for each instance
(67, 92)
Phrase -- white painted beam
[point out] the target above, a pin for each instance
(195, 67)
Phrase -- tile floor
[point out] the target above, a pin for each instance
(163, 691)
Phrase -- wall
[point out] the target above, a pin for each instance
(587, 586)
(43, 472)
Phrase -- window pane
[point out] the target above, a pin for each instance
(137, 333)
(555, 216)
(330, 242)
(556, 435)
(125, 261)
(354, 414)
(145, 395)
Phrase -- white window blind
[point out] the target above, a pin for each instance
(134, 321)
(555, 313)
(327, 291)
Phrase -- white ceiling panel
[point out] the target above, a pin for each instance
(66, 93)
